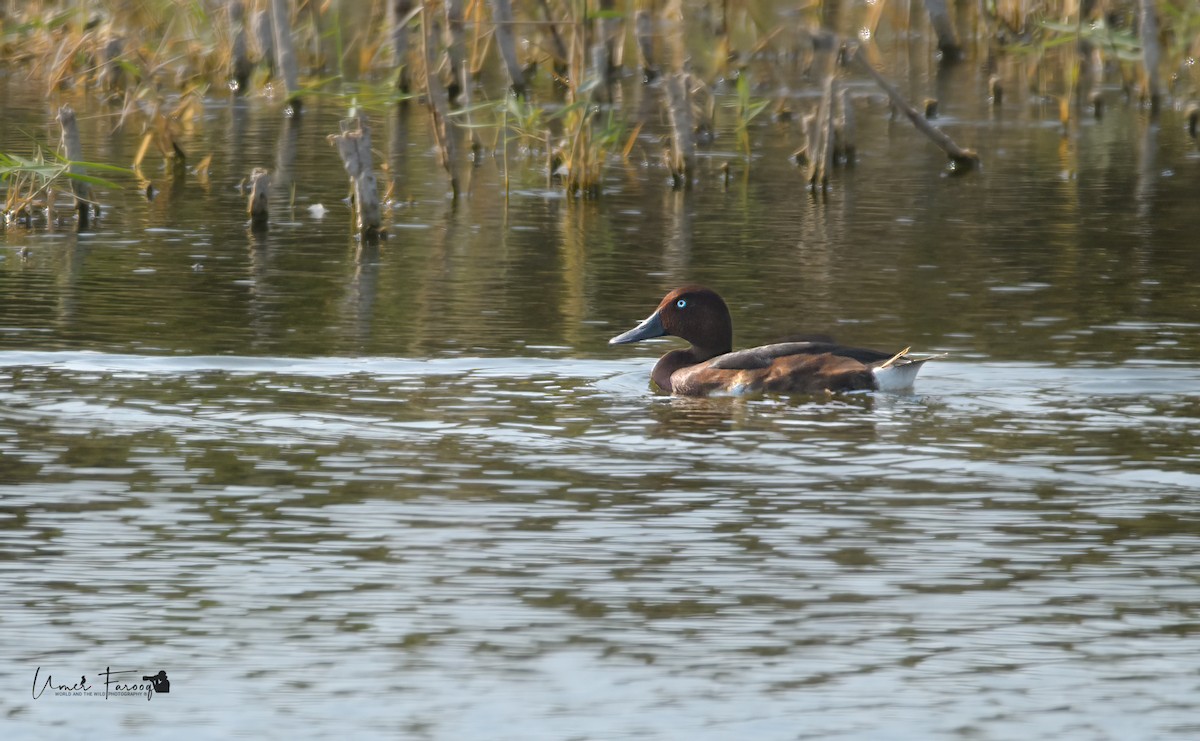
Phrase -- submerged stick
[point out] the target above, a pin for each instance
(965, 158)
(354, 147)
(73, 151)
(258, 204)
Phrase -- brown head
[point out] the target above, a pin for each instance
(692, 313)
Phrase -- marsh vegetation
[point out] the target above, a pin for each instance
(567, 89)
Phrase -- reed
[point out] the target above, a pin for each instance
(31, 182)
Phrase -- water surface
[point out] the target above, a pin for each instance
(409, 491)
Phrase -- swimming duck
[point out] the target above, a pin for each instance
(710, 366)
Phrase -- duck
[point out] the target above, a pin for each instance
(810, 365)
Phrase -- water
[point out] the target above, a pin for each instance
(409, 491)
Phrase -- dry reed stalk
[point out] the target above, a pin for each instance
(73, 151)
(502, 13)
(481, 38)
(354, 147)
(59, 73)
(436, 96)
(259, 202)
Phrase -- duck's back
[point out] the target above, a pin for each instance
(774, 369)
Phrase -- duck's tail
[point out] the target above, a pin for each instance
(898, 372)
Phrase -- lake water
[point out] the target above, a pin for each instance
(409, 491)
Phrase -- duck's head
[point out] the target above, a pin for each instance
(692, 313)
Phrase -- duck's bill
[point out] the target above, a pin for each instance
(651, 326)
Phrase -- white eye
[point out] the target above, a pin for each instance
(681, 303)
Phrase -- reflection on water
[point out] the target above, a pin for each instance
(408, 490)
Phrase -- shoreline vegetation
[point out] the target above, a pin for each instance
(542, 84)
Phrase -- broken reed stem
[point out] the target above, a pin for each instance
(559, 47)
(943, 26)
(643, 28)
(259, 202)
(73, 151)
(1151, 54)
(240, 66)
(399, 14)
(285, 54)
(437, 98)
(965, 158)
(264, 37)
(682, 153)
(502, 13)
(354, 147)
(112, 74)
(821, 127)
(604, 47)
(456, 52)
(820, 160)
(461, 70)
(843, 126)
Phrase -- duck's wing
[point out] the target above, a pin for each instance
(808, 337)
(764, 355)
